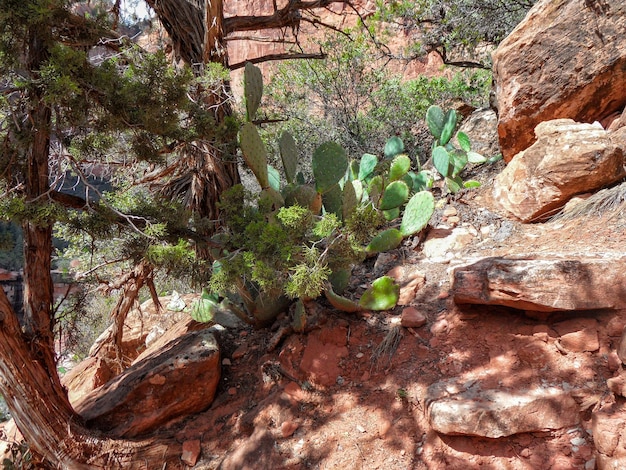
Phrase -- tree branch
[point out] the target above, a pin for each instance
(289, 15)
(285, 56)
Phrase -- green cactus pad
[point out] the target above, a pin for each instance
(329, 165)
(375, 189)
(299, 317)
(400, 166)
(394, 146)
(339, 280)
(455, 184)
(254, 152)
(271, 200)
(395, 195)
(464, 141)
(353, 171)
(459, 161)
(349, 199)
(305, 196)
(367, 165)
(204, 309)
(449, 124)
(385, 241)
(268, 305)
(274, 177)
(441, 160)
(421, 180)
(472, 184)
(391, 214)
(435, 120)
(383, 295)
(341, 303)
(253, 89)
(474, 157)
(333, 200)
(358, 190)
(289, 155)
(417, 213)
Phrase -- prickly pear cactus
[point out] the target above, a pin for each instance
(299, 317)
(394, 146)
(367, 165)
(253, 89)
(385, 241)
(333, 200)
(254, 152)
(341, 303)
(350, 201)
(289, 155)
(449, 124)
(395, 195)
(441, 160)
(329, 165)
(400, 166)
(383, 295)
(435, 121)
(417, 213)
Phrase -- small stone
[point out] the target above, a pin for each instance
(525, 453)
(454, 220)
(444, 294)
(579, 334)
(439, 327)
(240, 352)
(614, 363)
(288, 428)
(365, 377)
(360, 428)
(617, 385)
(243, 333)
(226, 362)
(485, 230)
(450, 211)
(191, 452)
(232, 391)
(359, 355)
(412, 318)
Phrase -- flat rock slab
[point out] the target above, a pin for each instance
(471, 411)
(148, 394)
(549, 283)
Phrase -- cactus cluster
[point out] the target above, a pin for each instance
(449, 160)
(305, 232)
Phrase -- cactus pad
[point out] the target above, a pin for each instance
(254, 152)
(394, 146)
(435, 120)
(383, 295)
(417, 213)
(253, 89)
(289, 155)
(333, 200)
(341, 303)
(441, 160)
(395, 195)
(329, 165)
(385, 241)
(367, 165)
(400, 166)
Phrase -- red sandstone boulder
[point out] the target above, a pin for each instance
(566, 59)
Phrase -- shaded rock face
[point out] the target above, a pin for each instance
(566, 59)
(148, 394)
(568, 158)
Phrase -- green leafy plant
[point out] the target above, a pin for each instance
(448, 159)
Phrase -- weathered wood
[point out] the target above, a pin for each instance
(544, 284)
